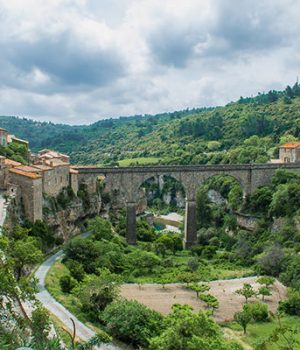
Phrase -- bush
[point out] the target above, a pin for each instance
(76, 270)
(100, 228)
(67, 283)
(132, 322)
(193, 264)
(291, 306)
(258, 311)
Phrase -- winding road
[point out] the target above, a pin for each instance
(82, 331)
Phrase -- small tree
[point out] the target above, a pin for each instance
(40, 325)
(211, 301)
(164, 280)
(193, 264)
(264, 292)
(243, 318)
(188, 277)
(199, 288)
(247, 291)
(266, 281)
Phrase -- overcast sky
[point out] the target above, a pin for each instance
(78, 61)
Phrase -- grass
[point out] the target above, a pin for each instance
(260, 330)
(139, 161)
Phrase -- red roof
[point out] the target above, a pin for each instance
(291, 145)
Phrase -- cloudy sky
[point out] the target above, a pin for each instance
(78, 61)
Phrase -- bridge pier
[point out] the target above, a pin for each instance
(131, 223)
(190, 227)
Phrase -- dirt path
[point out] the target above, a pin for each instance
(232, 335)
(161, 299)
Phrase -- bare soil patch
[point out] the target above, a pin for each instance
(161, 299)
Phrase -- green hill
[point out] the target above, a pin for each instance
(248, 130)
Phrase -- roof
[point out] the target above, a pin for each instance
(29, 169)
(290, 145)
(1, 129)
(33, 176)
(11, 162)
(55, 162)
(73, 171)
(42, 167)
(46, 153)
(11, 138)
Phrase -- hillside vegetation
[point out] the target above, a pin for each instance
(248, 130)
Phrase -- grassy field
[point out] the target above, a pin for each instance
(139, 161)
(258, 331)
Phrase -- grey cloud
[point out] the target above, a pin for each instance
(67, 61)
(250, 25)
(173, 45)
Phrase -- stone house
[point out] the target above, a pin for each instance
(3, 137)
(289, 152)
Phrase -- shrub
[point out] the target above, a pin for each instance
(258, 311)
(291, 306)
(132, 322)
(193, 264)
(67, 283)
(76, 270)
(96, 292)
(100, 228)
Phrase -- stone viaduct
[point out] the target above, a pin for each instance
(128, 181)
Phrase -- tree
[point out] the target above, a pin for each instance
(258, 311)
(184, 329)
(187, 277)
(291, 306)
(132, 322)
(25, 253)
(96, 292)
(264, 292)
(243, 318)
(199, 288)
(271, 261)
(100, 228)
(76, 269)
(247, 291)
(266, 281)
(143, 262)
(40, 325)
(67, 283)
(211, 301)
(193, 264)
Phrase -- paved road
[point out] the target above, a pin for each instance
(82, 331)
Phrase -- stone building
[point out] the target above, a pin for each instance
(47, 154)
(29, 191)
(290, 152)
(48, 173)
(3, 137)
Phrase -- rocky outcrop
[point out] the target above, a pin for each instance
(69, 221)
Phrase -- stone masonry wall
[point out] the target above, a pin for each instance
(55, 180)
(31, 195)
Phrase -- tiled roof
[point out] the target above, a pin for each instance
(290, 145)
(55, 162)
(28, 169)
(42, 167)
(11, 162)
(33, 176)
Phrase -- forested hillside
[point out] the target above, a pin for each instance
(241, 132)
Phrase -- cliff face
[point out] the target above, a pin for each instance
(67, 222)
